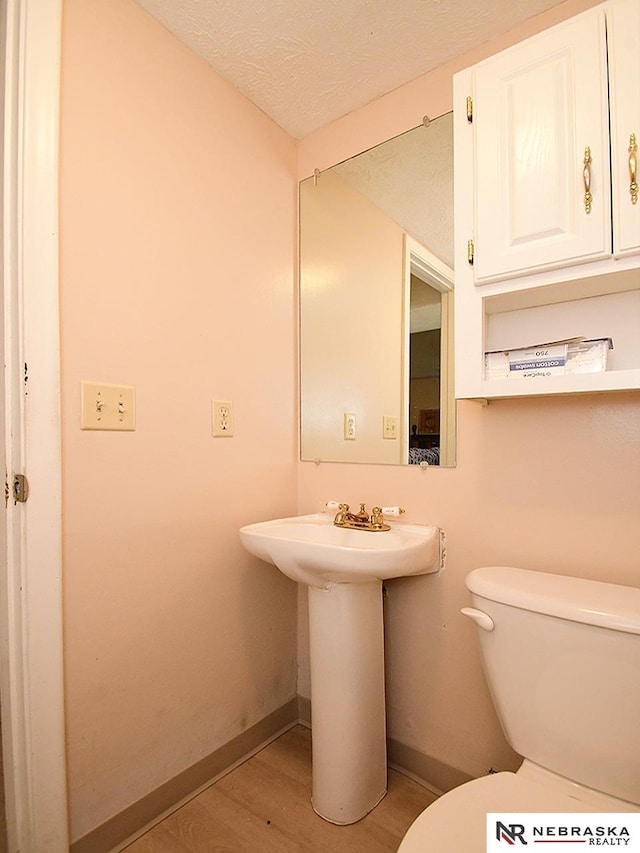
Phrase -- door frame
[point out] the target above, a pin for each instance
(31, 651)
(419, 261)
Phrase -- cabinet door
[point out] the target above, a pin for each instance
(623, 26)
(538, 107)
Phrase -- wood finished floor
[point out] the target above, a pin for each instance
(264, 806)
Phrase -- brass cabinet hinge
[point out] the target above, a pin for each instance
(469, 108)
(20, 488)
(470, 251)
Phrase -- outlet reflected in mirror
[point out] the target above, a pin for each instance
(376, 294)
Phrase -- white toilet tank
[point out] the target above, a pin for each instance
(563, 665)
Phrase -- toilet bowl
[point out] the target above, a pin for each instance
(562, 660)
(456, 822)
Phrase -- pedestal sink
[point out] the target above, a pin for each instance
(343, 570)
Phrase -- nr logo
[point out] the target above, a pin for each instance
(510, 832)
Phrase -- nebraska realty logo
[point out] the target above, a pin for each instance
(574, 831)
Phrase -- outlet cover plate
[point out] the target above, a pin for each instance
(222, 418)
(349, 426)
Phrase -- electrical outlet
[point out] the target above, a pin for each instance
(222, 414)
(108, 407)
(349, 426)
(389, 426)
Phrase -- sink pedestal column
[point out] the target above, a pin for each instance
(347, 700)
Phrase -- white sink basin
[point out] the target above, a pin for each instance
(311, 550)
(343, 571)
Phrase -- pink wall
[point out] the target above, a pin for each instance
(547, 484)
(177, 238)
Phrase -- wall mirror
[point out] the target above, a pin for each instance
(376, 304)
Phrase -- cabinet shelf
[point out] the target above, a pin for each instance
(569, 284)
(613, 315)
(580, 383)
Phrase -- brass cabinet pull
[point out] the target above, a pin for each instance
(586, 177)
(633, 168)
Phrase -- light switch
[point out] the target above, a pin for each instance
(389, 426)
(110, 407)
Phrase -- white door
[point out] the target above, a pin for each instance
(623, 30)
(30, 583)
(538, 109)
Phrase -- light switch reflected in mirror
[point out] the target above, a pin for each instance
(376, 303)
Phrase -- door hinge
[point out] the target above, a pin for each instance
(469, 108)
(20, 488)
(470, 251)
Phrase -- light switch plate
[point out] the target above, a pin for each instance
(389, 426)
(108, 407)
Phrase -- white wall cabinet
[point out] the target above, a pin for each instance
(623, 29)
(537, 108)
(547, 229)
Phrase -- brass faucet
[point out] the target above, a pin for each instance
(361, 520)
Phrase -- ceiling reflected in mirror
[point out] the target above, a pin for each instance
(410, 180)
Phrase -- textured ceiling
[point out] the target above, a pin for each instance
(308, 62)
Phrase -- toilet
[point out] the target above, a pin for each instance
(562, 659)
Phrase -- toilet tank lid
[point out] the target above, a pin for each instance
(576, 599)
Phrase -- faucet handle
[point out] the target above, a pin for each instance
(377, 521)
(341, 515)
(392, 510)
